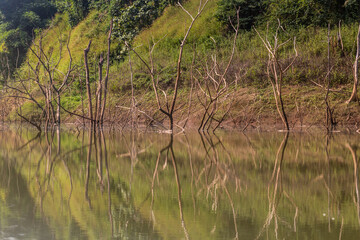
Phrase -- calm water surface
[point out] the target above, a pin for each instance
(112, 185)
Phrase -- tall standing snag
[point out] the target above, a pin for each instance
(330, 122)
(354, 96)
(276, 70)
(87, 79)
(106, 80)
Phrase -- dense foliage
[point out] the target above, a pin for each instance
(129, 20)
(18, 20)
(313, 12)
(292, 13)
(130, 16)
(76, 9)
(129, 10)
(250, 12)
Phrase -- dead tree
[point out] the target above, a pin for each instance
(51, 71)
(168, 107)
(19, 90)
(354, 96)
(99, 91)
(87, 81)
(106, 80)
(97, 115)
(215, 88)
(133, 107)
(22, 88)
(330, 122)
(276, 70)
(340, 41)
(43, 78)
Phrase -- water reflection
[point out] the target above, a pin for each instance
(100, 184)
(275, 192)
(356, 178)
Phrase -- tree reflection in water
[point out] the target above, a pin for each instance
(222, 173)
(275, 192)
(353, 149)
(169, 151)
(100, 184)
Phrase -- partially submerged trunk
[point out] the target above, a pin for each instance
(87, 80)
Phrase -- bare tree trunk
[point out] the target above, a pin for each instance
(276, 70)
(354, 96)
(106, 80)
(329, 117)
(87, 79)
(191, 87)
(58, 118)
(340, 41)
(99, 91)
(133, 102)
(8, 67)
(51, 106)
(284, 117)
(17, 58)
(82, 99)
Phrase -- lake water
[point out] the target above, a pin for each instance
(78, 184)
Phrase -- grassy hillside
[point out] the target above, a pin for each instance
(93, 28)
(253, 94)
(251, 100)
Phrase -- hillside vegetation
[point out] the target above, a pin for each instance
(221, 84)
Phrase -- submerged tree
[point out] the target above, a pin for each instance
(276, 69)
(330, 121)
(215, 88)
(97, 116)
(168, 107)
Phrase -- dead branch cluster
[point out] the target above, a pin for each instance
(44, 84)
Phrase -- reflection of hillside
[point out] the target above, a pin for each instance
(17, 215)
(61, 199)
(223, 182)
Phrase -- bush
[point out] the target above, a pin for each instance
(250, 12)
(292, 13)
(129, 20)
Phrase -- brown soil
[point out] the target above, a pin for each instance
(251, 108)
